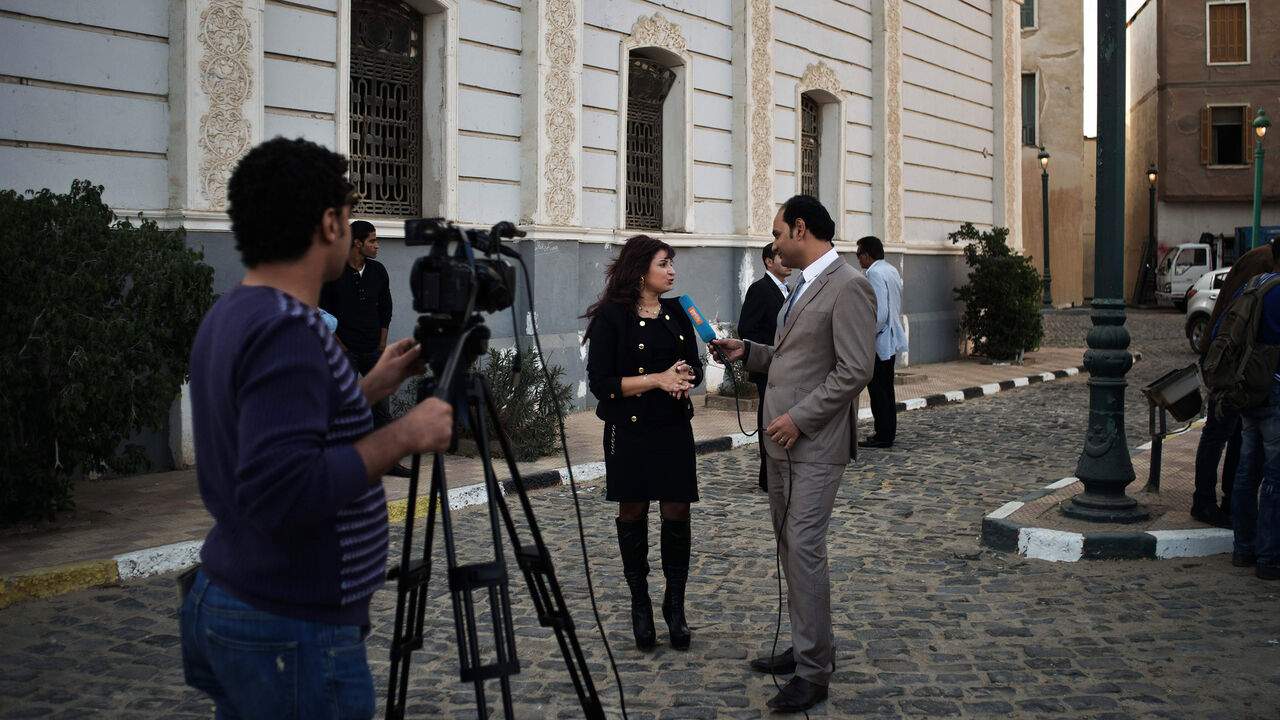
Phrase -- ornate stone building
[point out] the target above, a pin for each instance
(1053, 117)
(585, 122)
(1198, 73)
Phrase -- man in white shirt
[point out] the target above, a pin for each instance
(821, 358)
(891, 339)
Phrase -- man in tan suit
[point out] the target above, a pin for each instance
(822, 356)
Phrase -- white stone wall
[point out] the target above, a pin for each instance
(948, 125)
(90, 92)
(84, 96)
(300, 71)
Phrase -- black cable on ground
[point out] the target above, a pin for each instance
(573, 487)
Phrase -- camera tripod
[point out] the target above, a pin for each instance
(466, 581)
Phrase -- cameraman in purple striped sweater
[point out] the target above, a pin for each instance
(290, 466)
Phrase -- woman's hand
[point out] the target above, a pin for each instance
(677, 380)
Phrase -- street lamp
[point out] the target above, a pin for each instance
(1260, 125)
(1043, 157)
(1105, 468)
(1150, 259)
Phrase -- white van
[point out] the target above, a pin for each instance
(1179, 269)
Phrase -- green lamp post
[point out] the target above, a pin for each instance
(1043, 157)
(1260, 125)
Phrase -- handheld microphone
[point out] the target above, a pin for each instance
(701, 325)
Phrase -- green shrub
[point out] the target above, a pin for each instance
(526, 405)
(1002, 298)
(98, 319)
(526, 408)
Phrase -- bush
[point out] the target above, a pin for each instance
(99, 317)
(526, 405)
(1002, 298)
(527, 409)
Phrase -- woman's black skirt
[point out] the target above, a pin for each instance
(650, 463)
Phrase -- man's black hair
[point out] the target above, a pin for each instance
(871, 245)
(361, 230)
(816, 217)
(277, 194)
(766, 253)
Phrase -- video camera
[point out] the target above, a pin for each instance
(452, 285)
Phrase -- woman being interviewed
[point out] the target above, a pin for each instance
(641, 365)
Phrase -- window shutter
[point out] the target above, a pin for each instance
(1248, 134)
(1206, 135)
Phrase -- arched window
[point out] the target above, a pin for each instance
(810, 144)
(386, 107)
(648, 83)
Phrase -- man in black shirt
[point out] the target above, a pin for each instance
(361, 300)
(758, 322)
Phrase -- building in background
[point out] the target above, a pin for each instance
(1052, 98)
(1198, 72)
(584, 122)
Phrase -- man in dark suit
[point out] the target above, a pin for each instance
(822, 356)
(758, 321)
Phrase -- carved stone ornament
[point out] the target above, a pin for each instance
(561, 96)
(226, 79)
(761, 73)
(893, 122)
(1012, 133)
(657, 31)
(819, 76)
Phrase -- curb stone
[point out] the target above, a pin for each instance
(49, 582)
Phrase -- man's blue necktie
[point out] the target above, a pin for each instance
(791, 300)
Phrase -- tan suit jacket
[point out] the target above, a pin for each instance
(820, 361)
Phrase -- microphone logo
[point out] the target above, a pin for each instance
(693, 315)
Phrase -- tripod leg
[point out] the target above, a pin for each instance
(539, 573)
(411, 578)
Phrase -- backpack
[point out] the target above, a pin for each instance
(1239, 370)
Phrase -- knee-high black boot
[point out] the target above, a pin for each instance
(633, 543)
(676, 538)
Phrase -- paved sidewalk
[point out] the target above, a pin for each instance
(137, 526)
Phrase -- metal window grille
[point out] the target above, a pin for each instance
(1029, 109)
(1228, 33)
(810, 144)
(386, 107)
(647, 86)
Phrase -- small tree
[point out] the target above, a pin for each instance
(1002, 298)
(526, 405)
(98, 319)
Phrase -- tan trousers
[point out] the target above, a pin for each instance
(801, 529)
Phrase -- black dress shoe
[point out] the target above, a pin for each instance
(874, 443)
(783, 663)
(400, 471)
(1267, 572)
(798, 695)
(1243, 559)
(1212, 516)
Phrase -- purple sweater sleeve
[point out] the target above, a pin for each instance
(286, 476)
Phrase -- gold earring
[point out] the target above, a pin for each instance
(641, 286)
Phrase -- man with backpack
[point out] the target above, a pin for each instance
(1221, 428)
(1241, 371)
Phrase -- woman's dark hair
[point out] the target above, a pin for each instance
(622, 277)
(277, 194)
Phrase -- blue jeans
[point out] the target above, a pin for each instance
(1256, 519)
(257, 665)
(1218, 432)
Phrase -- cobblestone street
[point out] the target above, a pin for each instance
(929, 623)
